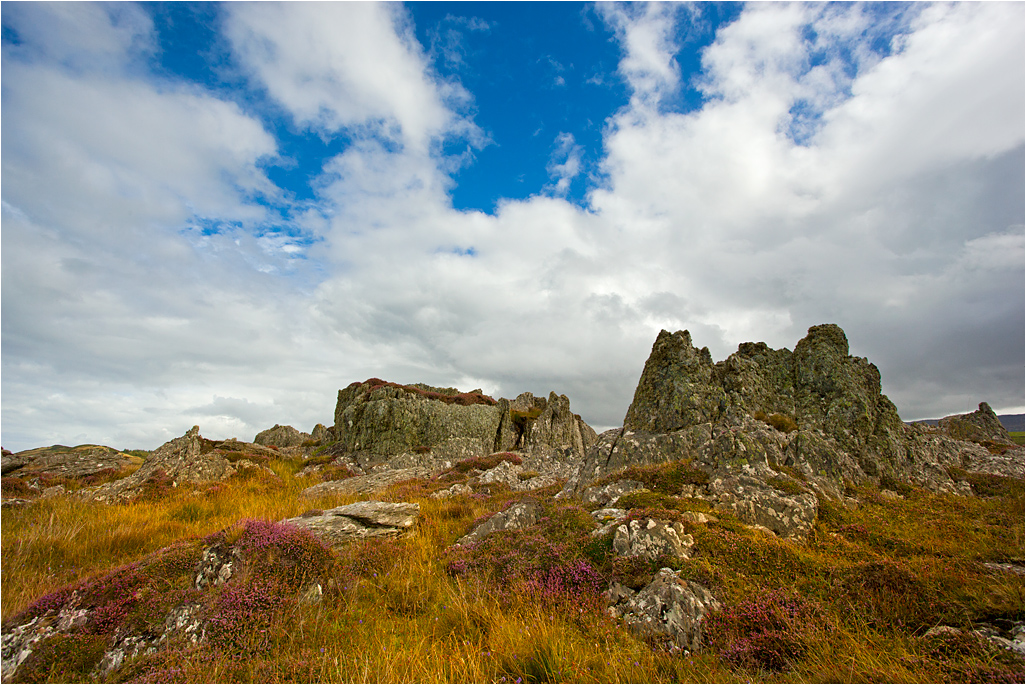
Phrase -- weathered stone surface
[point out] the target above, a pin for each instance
(981, 425)
(360, 520)
(531, 424)
(183, 460)
(667, 606)
(651, 539)
(757, 503)
(607, 495)
(366, 484)
(281, 436)
(67, 462)
(520, 515)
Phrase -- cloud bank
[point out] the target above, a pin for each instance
(849, 164)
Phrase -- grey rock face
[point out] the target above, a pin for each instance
(360, 520)
(651, 539)
(667, 606)
(520, 515)
(386, 420)
(281, 436)
(184, 460)
(607, 495)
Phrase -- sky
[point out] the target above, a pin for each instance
(220, 214)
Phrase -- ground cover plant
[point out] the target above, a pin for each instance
(854, 602)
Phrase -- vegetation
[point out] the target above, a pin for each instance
(852, 603)
(460, 398)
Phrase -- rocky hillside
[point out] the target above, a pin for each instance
(750, 518)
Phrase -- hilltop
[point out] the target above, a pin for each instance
(767, 516)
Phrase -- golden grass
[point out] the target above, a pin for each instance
(413, 622)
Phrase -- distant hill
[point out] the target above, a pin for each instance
(1011, 422)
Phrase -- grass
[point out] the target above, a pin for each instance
(1018, 437)
(853, 603)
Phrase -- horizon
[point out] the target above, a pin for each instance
(219, 214)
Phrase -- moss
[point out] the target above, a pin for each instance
(785, 485)
(668, 478)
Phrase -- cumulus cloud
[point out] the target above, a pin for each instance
(825, 176)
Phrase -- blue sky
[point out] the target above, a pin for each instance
(219, 214)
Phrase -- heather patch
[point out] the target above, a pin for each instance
(546, 560)
(12, 486)
(770, 632)
(289, 555)
(965, 656)
(62, 658)
(242, 615)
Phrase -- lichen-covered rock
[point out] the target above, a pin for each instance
(652, 538)
(980, 426)
(818, 411)
(457, 490)
(787, 512)
(379, 422)
(520, 515)
(188, 459)
(608, 494)
(359, 520)
(667, 606)
(281, 436)
(389, 419)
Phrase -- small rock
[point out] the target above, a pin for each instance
(666, 606)
(520, 515)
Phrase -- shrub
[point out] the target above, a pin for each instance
(291, 555)
(12, 486)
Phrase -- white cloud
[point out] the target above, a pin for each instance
(564, 163)
(879, 191)
(344, 65)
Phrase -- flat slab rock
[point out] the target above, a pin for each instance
(360, 520)
(366, 484)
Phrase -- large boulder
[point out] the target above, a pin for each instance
(386, 425)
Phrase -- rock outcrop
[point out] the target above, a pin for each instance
(980, 426)
(381, 427)
(281, 436)
(58, 462)
(188, 459)
(774, 430)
